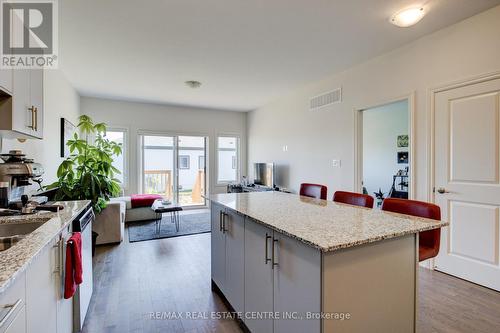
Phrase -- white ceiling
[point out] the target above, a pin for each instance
(245, 52)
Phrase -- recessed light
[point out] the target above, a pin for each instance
(408, 17)
(193, 84)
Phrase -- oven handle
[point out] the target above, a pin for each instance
(86, 218)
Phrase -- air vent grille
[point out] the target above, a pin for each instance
(328, 98)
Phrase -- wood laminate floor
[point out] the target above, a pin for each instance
(134, 280)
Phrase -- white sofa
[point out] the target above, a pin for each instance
(135, 214)
(110, 223)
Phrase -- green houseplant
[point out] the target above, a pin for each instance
(87, 173)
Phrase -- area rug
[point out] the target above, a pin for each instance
(190, 224)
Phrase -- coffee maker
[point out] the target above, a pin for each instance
(18, 172)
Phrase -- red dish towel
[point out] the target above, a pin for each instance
(74, 270)
(143, 200)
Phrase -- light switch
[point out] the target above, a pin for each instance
(285, 148)
(336, 163)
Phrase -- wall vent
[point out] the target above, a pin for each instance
(325, 99)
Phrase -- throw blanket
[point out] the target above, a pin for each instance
(144, 200)
(74, 270)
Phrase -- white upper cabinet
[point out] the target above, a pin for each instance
(21, 116)
(6, 81)
(36, 98)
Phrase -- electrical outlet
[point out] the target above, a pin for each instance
(336, 163)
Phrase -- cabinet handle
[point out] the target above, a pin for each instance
(274, 262)
(13, 308)
(267, 248)
(224, 222)
(32, 110)
(35, 112)
(220, 220)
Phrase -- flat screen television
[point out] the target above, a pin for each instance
(263, 174)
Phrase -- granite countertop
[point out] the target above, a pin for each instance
(325, 225)
(16, 259)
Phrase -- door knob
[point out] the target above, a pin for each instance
(442, 190)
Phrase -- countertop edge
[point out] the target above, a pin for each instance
(340, 246)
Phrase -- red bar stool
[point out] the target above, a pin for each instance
(355, 199)
(313, 191)
(428, 240)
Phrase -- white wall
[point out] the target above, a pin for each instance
(467, 49)
(60, 100)
(381, 127)
(174, 120)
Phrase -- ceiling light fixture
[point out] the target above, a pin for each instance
(193, 84)
(408, 17)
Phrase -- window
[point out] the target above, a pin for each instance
(201, 162)
(119, 162)
(183, 161)
(227, 159)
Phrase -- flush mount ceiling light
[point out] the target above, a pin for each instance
(408, 17)
(193, 84)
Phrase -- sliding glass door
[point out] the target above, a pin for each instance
(174, 167)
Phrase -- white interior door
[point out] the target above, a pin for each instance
(467, 123)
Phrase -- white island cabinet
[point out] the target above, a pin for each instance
(294, 264)
(228, 254)
(265, 273)
(283, 278)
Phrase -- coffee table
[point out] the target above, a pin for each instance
(159, 208)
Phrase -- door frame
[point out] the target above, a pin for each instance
(358, 141)
(140, 160)
(432, 122)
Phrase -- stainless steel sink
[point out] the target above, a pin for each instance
(23, 228)
(13, 232)
(8, 242)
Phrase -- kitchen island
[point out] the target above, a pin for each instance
(286, 263)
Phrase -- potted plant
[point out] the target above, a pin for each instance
(87, 173)
(379, 196)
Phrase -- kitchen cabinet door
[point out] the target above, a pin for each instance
(6, 80)
(297, 284)
(22, 112)
(258, 277)
(13, 300)
(218, 243)
(234, 225)
(18, 325)
(41, 292)
(36, 98)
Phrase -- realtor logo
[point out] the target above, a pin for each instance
(28, 34)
